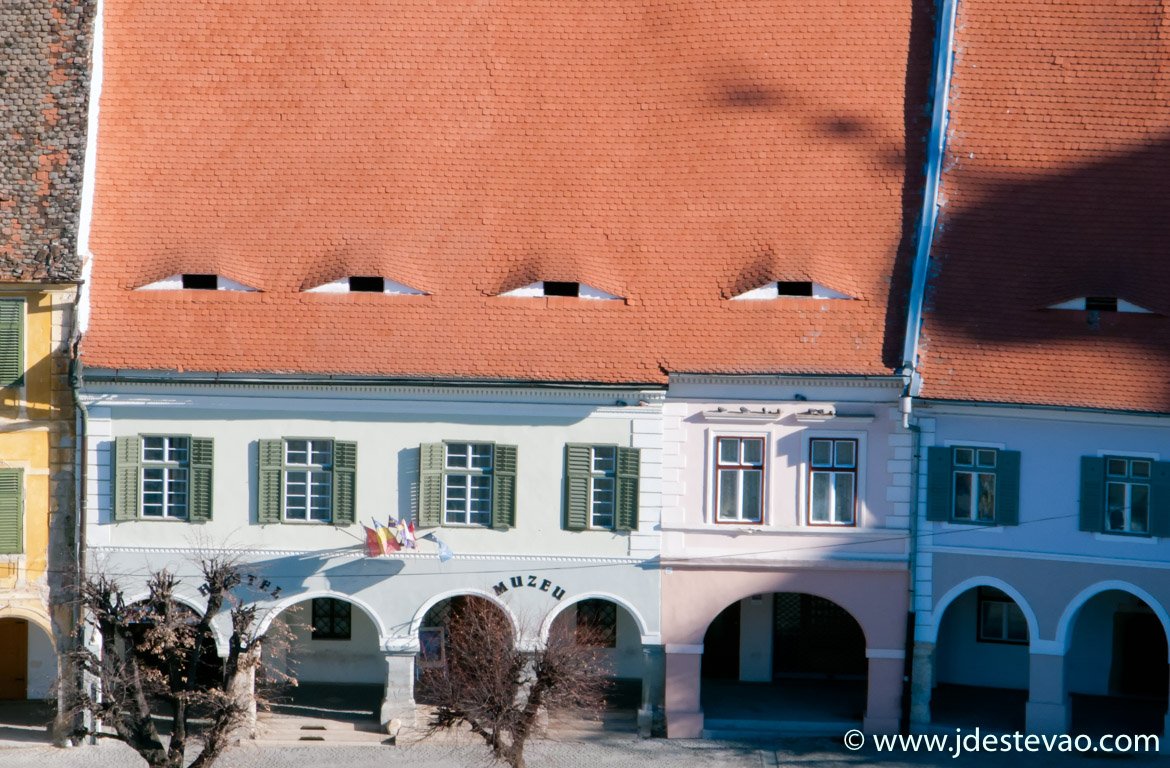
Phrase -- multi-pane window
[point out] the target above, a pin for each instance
(308, 480)
(833, 481)
(332, 619)
(596, 623)
(1127, 495)
(602, 486)
(739, 479)
(165, 476)
(467, 493)
(1000, 619)
(974, 484)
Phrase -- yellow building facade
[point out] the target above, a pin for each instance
(36, 485)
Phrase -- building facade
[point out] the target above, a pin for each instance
(42, 140)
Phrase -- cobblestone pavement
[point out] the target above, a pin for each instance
(603, 751)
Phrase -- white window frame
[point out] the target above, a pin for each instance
(309, 469)
(168, 469)
(1128, 481)
(713, 475)
(1003, 636)
(467, 473)
(594, 475)
(833, 470)
(975, 470)
(804, 482)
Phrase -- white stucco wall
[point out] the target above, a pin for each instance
(42, 664)
(357, 660)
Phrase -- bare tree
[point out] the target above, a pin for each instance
(158, 659)
(499, 691)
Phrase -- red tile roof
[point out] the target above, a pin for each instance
(673, 154)
(1058, 187)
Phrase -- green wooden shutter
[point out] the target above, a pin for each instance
(199, 491)
(628, 467)
(127, 500)
(1092, 493)
(577, 471)
(432, 458)
(11, 342)
(11, 511)
(938, 484)
(270, 481)
(1160, 499)
(1007, 488)
(504, 487)
(344, 482)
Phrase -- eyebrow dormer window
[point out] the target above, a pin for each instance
(546, 288)
(805, 289)
(200, 282)
(367, 285)
(1101, 304)
(191, 281)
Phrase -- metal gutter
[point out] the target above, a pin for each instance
(944, 57)
(1046, 407)
(177, 377)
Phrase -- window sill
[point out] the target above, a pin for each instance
(306, 522)
(973, 526)
(145, 518)
(1130, 538)
(760, 529)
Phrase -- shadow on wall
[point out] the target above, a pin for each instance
(1096, 230)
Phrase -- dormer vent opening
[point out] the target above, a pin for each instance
(559, 288)
(1101, 303)
(365, 284)
(790, 289)
(794, 288)
(201, 282)
(192, 281)
(564, 288)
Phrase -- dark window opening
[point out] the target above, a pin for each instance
(331, 619)
(201, 282)
(1101, 303)
(597, 623)
(794, 288)
(554, 288)
(367, 284)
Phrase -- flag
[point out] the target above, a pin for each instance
(445, 552)
(411, 540)
(386, 536)
(373, 543)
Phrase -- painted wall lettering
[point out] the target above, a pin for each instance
(536, 582)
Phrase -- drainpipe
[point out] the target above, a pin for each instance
(936, 141)
(944, 57)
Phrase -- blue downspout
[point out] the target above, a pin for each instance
(944, 56)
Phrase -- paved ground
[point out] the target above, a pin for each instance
(604, 751)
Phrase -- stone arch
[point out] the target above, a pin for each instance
(274, 609)
(944, 602)
(416, 622)
(1067, 619)
(546, 625)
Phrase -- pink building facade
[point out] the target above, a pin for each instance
(786, 510)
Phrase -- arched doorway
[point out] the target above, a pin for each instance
(784, 660)
(28, 661)
(981, 659)
(434, 635)
(614, 633)
(331, 648)
(1116, 666)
